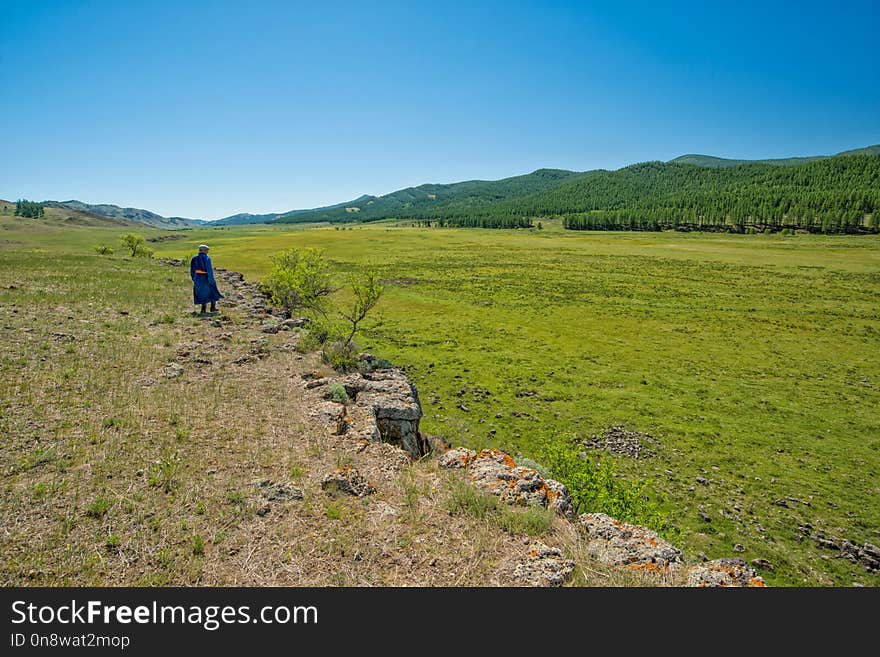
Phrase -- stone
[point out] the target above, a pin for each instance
(763, 564)
(390, 404)
(457, 458)
(739, 548)
(172, 371)
(724, 573)
(292, 323)
(618, 543)
(347, 480)
(495, 471)
(279, 491)
(544, 566)
(869, 556)
(620, 440)
(328, 413)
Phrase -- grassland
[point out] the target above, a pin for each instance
(752, 360)
(116, 472)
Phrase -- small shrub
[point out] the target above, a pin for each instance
(333, 512)
(525, 462)
(103, 249)
(594, 488)
(198, 545)
(112, 422)
(533, 521)
(236, 497)
(297, 472)
(163, 473)
(340, 355)
(467, 500)
(113, 542)
(337, 393)
(98, 508)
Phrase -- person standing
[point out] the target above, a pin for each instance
(204, 285)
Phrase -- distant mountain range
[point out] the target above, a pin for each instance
(434, 200)
(711, 161)
(245, 218)
(136, 215)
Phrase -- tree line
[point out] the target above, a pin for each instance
(833, 195)
(29, 209)
(836, 195)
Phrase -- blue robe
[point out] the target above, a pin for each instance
(204, 286)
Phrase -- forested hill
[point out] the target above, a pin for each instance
(833, 194)
(839, 194)
(436, 199)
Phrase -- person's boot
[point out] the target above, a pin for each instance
(203, 310)
(213, 307)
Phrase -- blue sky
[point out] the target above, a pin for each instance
(205, 109)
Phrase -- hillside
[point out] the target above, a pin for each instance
(712, 161)
(245, 218)
(434, 199)
(65, 216)
(288, 217)
(820, 194)
(836, 194)
(136, 215)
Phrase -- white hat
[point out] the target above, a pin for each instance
(203, 247)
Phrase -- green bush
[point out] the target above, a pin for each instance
(594, 488)
(98, 508)
(103, 249)
(299, 279)
(136, 244)
(337, 393)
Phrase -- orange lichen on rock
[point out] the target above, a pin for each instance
(724, 573)
(498, 456)
(650, 567)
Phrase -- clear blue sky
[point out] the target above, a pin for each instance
(205, 109)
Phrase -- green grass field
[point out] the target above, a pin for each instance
(752, 360)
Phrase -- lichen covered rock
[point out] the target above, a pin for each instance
(617, 543)
(544, 566)
(456, 459)
(495, 472)
(724, 572)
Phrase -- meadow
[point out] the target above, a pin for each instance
(751, 360)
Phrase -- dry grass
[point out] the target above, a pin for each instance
(115, 473)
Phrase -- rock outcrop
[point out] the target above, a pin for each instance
(495, 472)
(617, 543)
(724, 572)
(544, 566)
(347, 480)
